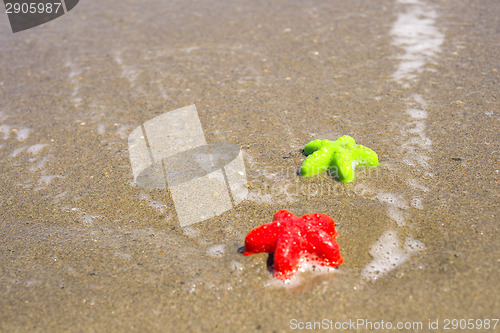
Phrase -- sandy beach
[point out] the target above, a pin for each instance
(85, 249)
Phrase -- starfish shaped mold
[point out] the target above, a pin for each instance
(340, 157)
(294, 240)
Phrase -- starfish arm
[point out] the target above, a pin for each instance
(342, 166)
(324, 247)
(283, 214)
(317, 162)
(346, 141)
(262, 239)
(314, 145)
(323, 222)
(287, 256)
(364, 156)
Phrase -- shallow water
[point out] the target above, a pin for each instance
(86, 249)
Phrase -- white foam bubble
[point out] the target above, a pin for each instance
(87, 219)
(60, 196)
(216, 251)
(118, 58)
(393, 200)
(417, 203)
(396, 214)
(3, 116)
(416, 160)
(420, 100)
(417, 127)
(41, 163)
(22, 133)
(190, 231)
(417, 113)
(35, 149)
(311, 266)
(76, 100)
(236, 266)
(412, 245)
(159, 206)
(6, 130)
(128, 72)
(123, 256)
(101, 128)
(305, 266)
(143, 195)
(291, 283)
(388, 254)
(421, 141)
(18, 151)
(47, 179)
(415, 32)
(74, 70)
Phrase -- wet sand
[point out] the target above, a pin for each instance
(83, 249)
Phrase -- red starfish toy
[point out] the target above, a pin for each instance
(310, 238)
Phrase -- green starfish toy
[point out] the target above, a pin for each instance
(340, 156)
